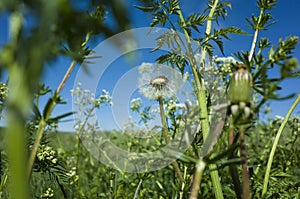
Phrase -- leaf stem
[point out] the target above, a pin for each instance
(271, 156)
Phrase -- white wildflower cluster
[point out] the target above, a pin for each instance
(225, 64)
(72, 174)
(170, 106)
(155, 110)
(209, 70)
(159, 81)
(85, 98)
(135, 104)
(49, 193)
(46, 153)
(104, 99)
(228, 60)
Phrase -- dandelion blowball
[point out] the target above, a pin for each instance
(159, 81)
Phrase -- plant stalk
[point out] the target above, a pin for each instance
(245, 172)
(136, 193)
(42, 123)
(200, 166)
(167, 139)
(201, 94)
(255, 36)
(232, 168)
(18, 106)
(272, 153)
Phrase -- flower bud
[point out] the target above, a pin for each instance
(240, 88)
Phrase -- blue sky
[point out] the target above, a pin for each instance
(286, 12)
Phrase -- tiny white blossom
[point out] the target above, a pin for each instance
(228, 60)
(279, 117)
(135, 104)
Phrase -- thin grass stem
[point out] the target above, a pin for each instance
(272, 153)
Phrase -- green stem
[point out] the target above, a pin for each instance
(80, 131)
(136, 193)
(201, 94)
(167, 139)
(208, 29)
(271, 156)
(42, 123)
(18, 106)
(254, 41)
(255, 36)
(232, 168)
(35, 146)
(183, 183)
(200, 166)
(3, 182)
(59, 142)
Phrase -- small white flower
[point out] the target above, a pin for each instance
(279, 117)
(229, 60)
(135, 104)
(159, 81)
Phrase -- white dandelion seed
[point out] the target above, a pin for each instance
(159, 81)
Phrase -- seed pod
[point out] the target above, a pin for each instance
(240, 88)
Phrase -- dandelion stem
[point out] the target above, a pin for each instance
(167, 139)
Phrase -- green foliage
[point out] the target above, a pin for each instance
(63, 168)
(220, 10)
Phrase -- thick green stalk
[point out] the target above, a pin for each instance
(18, 107)
(201, 95)
(167, 139)
(17, 145)
(271, 156)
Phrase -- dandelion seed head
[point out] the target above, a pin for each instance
(159, 81)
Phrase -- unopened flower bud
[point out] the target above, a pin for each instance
(240, 88)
